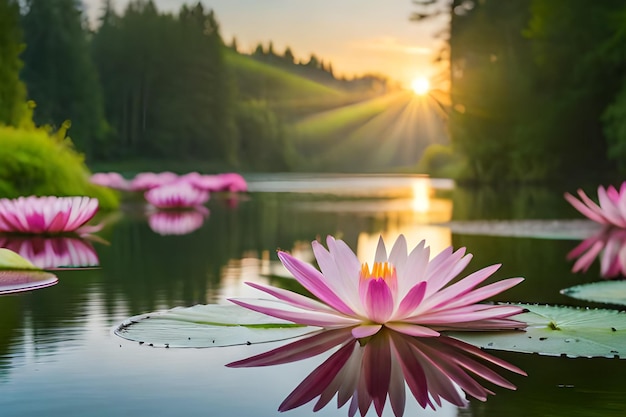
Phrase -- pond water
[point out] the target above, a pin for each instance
(60, 357)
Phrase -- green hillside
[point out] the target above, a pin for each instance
(289, 94)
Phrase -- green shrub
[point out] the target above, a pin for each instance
(36, 162)
(440, 161)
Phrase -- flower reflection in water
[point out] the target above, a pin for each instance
(180, 222)
(368, 371)
(609, 245)
(51, 252)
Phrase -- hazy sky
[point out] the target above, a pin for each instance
(357, 36)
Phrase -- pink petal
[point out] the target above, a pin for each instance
(414, 270)
(474, 312)
(378, 300)
(477, 295)
(381, 251)
(340, 270)
(609, 209)
(591, 213)
(286, 312)
(292, 298)
(398, 255)
(366, 330)
(313, 280)
(411, 301)
(412, 329)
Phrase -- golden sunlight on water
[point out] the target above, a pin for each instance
(415, 225)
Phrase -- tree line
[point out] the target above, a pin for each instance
(537, 87)
(141, 84)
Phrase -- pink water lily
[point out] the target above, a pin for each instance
(148, 180)
(176, 195)
(402, 291)
(233, 182)
(47, 215)
(611, 209)
(111, 180)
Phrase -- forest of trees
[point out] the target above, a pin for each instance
(538, 88)
(146, 84)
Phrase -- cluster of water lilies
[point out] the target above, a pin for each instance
(176, 202)
(167, 190)
(610, 243)
(51, 231)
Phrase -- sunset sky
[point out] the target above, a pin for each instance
(357, 36)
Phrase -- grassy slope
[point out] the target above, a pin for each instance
(291, 95)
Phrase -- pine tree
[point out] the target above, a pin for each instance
(59, 73)
(12, 90)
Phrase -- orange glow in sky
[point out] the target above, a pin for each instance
(356, 36)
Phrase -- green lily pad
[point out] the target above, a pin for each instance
(559, 331)
(208, 325)
(20, 281)
(539, 229)
(609, 292)
(10, 260)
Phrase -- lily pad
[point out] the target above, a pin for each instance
(10, 260)
(208, 325)
(609, 292)
(20, 281)
(559, 331)
(540, 229)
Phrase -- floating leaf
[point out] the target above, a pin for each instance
(555, 331)
(208, 325)
(19, 281)
(540, 229)
(610, 292)
(10, 260)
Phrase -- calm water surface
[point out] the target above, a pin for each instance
(59, 356)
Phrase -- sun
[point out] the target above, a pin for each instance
(420, 85)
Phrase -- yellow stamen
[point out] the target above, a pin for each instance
(383, 270)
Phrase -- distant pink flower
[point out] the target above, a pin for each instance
(40, 215)
(176, 195)
(203, 182)
(609, 245)
(110, 180)
(52, 252)
(368, 373)
(149, 180)
(612, 208)
(404, 292)
(176, 222)
(233, 182)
